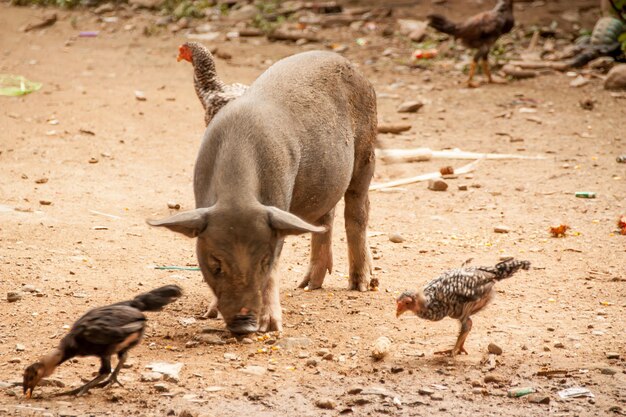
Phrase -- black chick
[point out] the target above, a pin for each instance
(102, 332)
(479, 32)
(458, 293)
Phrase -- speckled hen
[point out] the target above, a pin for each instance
(211, 91)
(459, 294)
(102, 332)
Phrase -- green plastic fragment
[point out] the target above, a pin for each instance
(16, 85)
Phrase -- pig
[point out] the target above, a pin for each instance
(275, 162)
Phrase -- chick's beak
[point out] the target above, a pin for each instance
(400, 310)
(28, 392)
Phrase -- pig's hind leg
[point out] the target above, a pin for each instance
(357, 215)
(321, 254)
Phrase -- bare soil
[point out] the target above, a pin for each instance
(113, 161)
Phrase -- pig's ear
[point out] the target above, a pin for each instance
(289, 224)
(189, 223)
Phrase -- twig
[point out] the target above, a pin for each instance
(178, 268)
(426, 154)
(112, 216)
(424, 177)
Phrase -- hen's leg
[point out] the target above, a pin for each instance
(121, 359)
(472, 71)
(321, 254)
(105, 369)
(466, 326)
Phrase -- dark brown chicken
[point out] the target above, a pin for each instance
(211, 91)
(459, 294)
(479, 32)
(102, 332)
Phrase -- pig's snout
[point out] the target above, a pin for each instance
(243, 323)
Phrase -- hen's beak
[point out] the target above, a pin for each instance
(399, 311)
(28, 393)
(180, 58)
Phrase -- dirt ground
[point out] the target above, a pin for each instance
(112, 161)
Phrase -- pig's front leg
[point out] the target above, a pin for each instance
(271, 318)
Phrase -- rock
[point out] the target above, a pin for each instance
(328, 357)
(312, 363)
(187, 413)
(231, 356)
(612, 355)
(608, 371)
(604, 63)
(579, 82)
(146, 4)
(15, 360)
(323, 352)
(326, 404)
(495, 349)
(303, 355)
(291, 342)
(559, 345)
(161, 387)
(381, 348)
(254, 370)
(28, 288)
(539, 399)
(20, 347)
(13, 296)
(436, 397)
(587, 104)
(140, 95)
(616, 78)
(104, 8)
(410, 106)
(247, 341)
(494, 379)
(396, 238)
(171, 371)
(437, 185)
(45, 202)
(355, 390)
(209, 339)
(151, 377)
(425, 391)
(246, 12)
(501, 229)
(173, 205)
(462, 187)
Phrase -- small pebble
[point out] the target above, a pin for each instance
(396, 238)
(612, 355)
(608, 371)
(501, 229)
(312, 363)
(437, 185)
(326, 404)
(410, 106)
(173, 205)
(495, 349)
(28, 288)
(539, 399)
(559, 345)
(15, 360)
(425, 391)
(151, 377)
(436, 397)
(247, 341)
(161, 387)
(45, 202)
(93, 160)
(140, 96)
(20, 347)
(493, 379)
(303, 355)
(13, 296)
(462, 187)
(323, 352)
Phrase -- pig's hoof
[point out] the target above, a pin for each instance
(359, 284)
(309, 285)
(211, 313)
(271, 324)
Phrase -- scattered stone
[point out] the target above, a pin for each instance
(612, 355)
(312, 363)
(11, 392)
(587, 104)
(45, 202)
(579, 82)
(170, 371)
(254, 370)
(20, 347)
(41, 181)
(396, 369)
(209, 339)
(291, 342)
(93, 160)
(559, 345)
(436, 397)
(604, 63)
(381, 348)
(355, 390)
(326, 404)
(501, 229)
(495, 349)
(140, 95)
(15, 360)
(47, 20)
(396, 238)
(494, 379)
(104, 8)
(28, 288)
(437, 185)
(425, 391)
(303, 355)
(13, 296)
(187, 413)
(151, 377)
(328, 357)
(173, 205)
(410, 106)
(462, 187)
(539, 399)
(247, 341)
(616, 78)
(323, 352)
(161, 387)
(230, 356)
(608, 371)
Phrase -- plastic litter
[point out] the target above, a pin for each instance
(16, 85)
